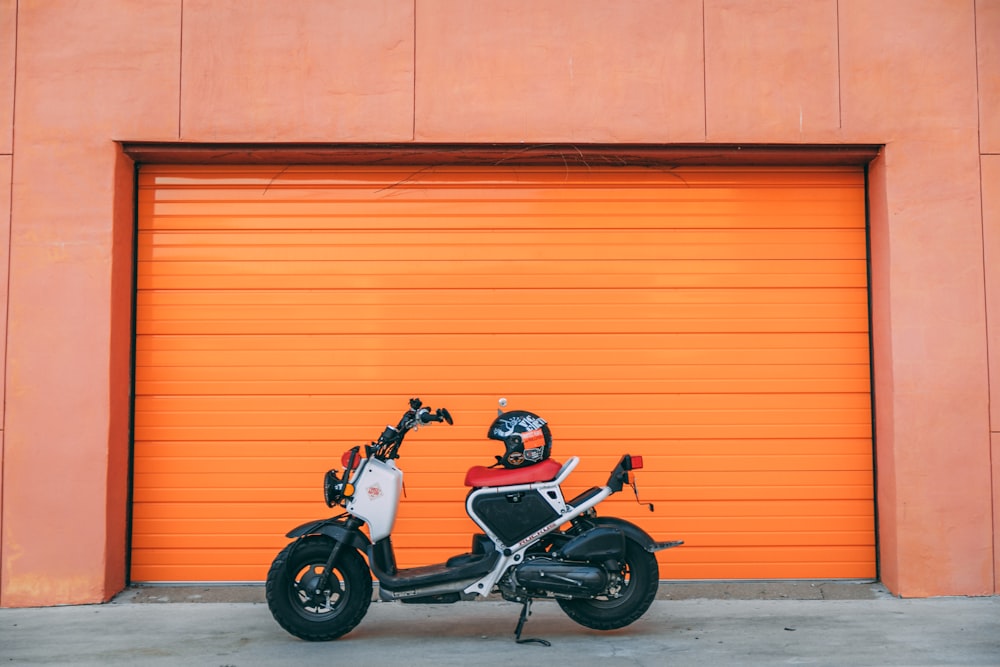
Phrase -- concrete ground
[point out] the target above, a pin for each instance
(756, 590)
(814, 623)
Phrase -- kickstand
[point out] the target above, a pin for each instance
(525, 612)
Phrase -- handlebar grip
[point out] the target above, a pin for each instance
(440, 415)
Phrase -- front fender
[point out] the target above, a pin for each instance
(635, 533)
(334, 529)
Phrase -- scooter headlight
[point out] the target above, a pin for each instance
(333, 490)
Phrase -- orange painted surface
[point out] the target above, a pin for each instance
(742, 94)
(604, 72)
(920, 78)
(5, 174)
(991, 254)
(323, 71)
(68, 329)
(990, 165)
(712, 320)
(929, 320)
(995, 457)
(988, 55)
(8, 15)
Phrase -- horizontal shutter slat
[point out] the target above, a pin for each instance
(712, 319)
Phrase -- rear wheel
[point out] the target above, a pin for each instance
(333, 611)
(640, 577)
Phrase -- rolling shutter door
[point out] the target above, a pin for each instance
(713, 320)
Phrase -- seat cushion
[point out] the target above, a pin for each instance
(544, 471)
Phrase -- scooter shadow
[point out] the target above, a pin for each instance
(480, 621)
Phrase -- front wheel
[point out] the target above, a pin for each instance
(640, 577)
(327, 614)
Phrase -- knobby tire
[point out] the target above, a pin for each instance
(637, 594)
(347, 597)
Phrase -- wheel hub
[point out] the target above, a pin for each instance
(313, 596)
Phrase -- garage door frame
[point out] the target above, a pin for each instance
(451, 155)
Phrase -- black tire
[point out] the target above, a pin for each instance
(346, 597)
(641, 578)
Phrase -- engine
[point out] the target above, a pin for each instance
(544, 576)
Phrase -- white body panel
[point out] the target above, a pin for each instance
(552, 492)
(377, 489)
(379, 486)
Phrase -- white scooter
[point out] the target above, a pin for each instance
(534, 544)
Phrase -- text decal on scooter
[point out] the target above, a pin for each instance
(374, 491)
(538, 533)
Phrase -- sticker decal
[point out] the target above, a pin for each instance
(528, 423)
(374, 492)
(515, 458)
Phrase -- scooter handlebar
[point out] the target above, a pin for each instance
(440, 415)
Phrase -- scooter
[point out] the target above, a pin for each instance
(535, 544)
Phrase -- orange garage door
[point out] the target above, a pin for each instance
(713, 320)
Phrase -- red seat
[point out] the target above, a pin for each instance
(544, 471)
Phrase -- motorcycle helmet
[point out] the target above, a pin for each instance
(526, 437)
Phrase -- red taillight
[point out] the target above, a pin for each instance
(636, 462)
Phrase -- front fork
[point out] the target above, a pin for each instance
(352, 523)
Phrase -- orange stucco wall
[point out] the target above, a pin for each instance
(921, 77)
